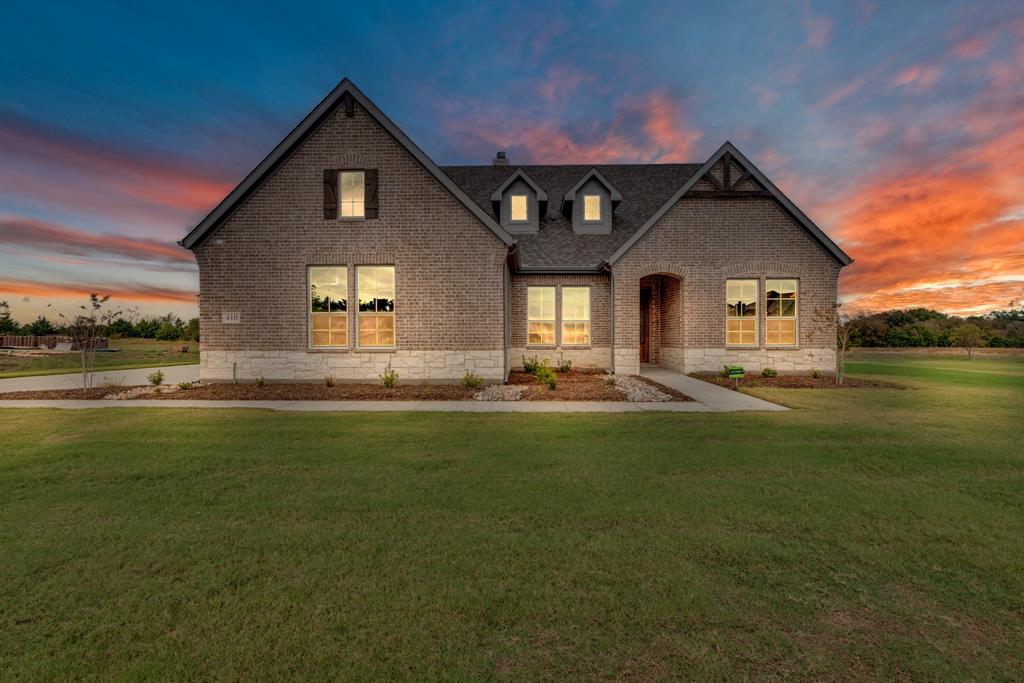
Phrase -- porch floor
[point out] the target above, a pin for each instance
(715, 397)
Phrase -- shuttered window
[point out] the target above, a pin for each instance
(353, 194)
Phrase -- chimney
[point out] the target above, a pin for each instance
(500, 159)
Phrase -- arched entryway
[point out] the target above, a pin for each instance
(661, 320)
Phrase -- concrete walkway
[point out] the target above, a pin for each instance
(711, 395)
(172, 375)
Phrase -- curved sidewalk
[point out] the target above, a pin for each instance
(73, 380)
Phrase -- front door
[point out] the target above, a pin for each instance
(645, 325)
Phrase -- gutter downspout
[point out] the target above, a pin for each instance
(611, 277)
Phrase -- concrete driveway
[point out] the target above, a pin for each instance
(172, 375)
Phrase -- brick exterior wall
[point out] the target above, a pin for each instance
(707, 241)
(598, 354)
(449, 268)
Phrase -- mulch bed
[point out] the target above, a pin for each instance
(576, 385)
(61, 394)
(321, 392)
(795, 382)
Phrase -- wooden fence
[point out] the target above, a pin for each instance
(49, 341)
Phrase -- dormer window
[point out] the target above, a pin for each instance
(592, 207)
(518, 208)
(590, 204)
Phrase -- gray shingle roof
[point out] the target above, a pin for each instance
(644, 187)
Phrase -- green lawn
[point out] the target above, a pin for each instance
(130, 353)
(865, 535)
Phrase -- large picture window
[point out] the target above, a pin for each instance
(328, 306)
(353, 194)
(540, 316)
(780, 312)
(576, 316)
(741, 312)
(375, 286)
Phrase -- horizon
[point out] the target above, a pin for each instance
(900, 133)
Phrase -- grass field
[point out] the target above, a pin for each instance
(865, 535)
(130, 353)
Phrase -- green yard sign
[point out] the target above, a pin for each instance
(735, 371)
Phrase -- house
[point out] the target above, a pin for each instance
(348, 248)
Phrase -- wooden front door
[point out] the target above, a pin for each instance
(645, 325)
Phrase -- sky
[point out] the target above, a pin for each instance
(897, 127)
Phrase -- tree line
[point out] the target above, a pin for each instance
(165, 327)
(924, 327)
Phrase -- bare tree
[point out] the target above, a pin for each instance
(86, 329)
(829, 319)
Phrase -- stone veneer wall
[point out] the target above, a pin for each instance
(706, 241)
(297, 366)
(449, 268)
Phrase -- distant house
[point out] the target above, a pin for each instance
(348, 248)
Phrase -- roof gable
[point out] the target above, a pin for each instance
(727, 184)
(570, 195)
(345, 93)
(520, 174)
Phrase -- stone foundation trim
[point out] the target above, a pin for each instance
(299, 366)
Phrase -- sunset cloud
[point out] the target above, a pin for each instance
(52, 164)
(49, 237)
(917, 78)
(119, 293)
(646, 128)
(818, 28)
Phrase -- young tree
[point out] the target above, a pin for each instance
(39, 327)
(7, 324)
(86, 329)
(969, 336)
(830, 320)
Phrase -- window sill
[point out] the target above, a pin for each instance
(376, 349)
(542, 347)
(327, 349)
(351, 219)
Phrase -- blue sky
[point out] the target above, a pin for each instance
(120, 128)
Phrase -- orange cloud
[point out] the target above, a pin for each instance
(118, 293)
(58, 239)
(948, 235)
(43, 161)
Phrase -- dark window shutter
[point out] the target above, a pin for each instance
(330, 193)
(370, 176)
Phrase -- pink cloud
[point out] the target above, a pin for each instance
(974, 47)
(766, 97)
(841, 93)
(819, 29)
(646, 128)
(560, 82)
(918, 78)
(118, 293)
(58, 239)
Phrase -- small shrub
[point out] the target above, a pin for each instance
(390, 377)
(564, 364)
(155, 378)
(545, 375)
(611, 380)
(471, 381)
(184, 386)
(724, 372)
(329, 381)
(768, 373)
(260, 381)
(815, 374)
(531, 364)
